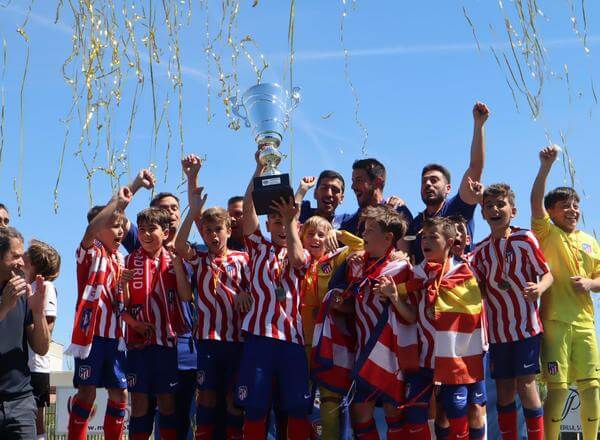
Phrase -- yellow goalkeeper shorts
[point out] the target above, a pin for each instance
(569, 353)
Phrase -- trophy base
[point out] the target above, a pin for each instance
(269, 188)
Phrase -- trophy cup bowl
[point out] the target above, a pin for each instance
(266, 108)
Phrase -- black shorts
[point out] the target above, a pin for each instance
(41, 388)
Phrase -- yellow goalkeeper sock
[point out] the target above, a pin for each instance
(590, 407)
(553, 407)
(330, 414)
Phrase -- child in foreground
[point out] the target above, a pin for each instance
(569, 344)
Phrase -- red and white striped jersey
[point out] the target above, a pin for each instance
(504, 267)
(425, 320)
(368, 307)
(91, 265)
(219, 280)
(275, 290)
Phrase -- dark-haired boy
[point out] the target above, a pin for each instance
(97, 341)
(569, 344)
(154, 318)
(329, 193)
(222, 276)
(513, 273)
(368, 180)
(436, 186)
(274, 344)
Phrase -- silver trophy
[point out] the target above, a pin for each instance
(266, 108)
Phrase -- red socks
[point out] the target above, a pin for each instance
(366, 431)
(113, 420)
(459, 428)
(534, 418)
(507, 421)
(395, 429)
(298, 429)
(417, 431)
(78, 420)
(255, 429)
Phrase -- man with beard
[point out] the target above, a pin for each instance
(329, 193)
(368, 180)
(435, 187)
(22, 320)
(235, 209)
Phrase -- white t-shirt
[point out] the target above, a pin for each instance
(37, 363)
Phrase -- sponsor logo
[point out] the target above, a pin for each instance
(528, 365)
(201, 377)
(553, 368)
(307, 396)
(478, 395)
(131, 380)
(85, 371)
(460, 397)
(173, 384)
(242, 392)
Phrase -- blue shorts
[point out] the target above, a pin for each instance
(265, 360)
(419, 389)
(104, 367)
(455, 398)
(218, 363)
(152, 370)
(187, 356)
(519, 358)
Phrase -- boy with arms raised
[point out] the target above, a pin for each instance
(274, 345)
(97, 341)
(154, 319)
(513, 273)
(222, 277)
(569, 344)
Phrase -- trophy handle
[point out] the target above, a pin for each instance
(235, 108)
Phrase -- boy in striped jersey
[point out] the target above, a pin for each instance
(513, 274)
(569, 345)
(154, 319)
(274, 342)
(222, 278)
(96, 343)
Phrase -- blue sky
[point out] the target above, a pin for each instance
(417, 72)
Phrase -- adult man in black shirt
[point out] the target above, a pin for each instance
(22, 320)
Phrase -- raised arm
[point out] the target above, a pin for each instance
(306, 183)
(289, 211)
(184, 288)
(121, 201)
(182, 247)
(475, 169)
(191, 165)
(547, 157)
(250, 219)
(144, 179)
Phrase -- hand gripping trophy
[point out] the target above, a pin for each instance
(266, 109)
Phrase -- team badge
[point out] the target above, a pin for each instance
(587, 248)
(553, 368)
(86, 319)
(201, 377)
(230, 268)
(242, 392)
(135, 310)
(326, 268)
(510, 256)
(131, 380)
(85, 371)
(171, 296)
